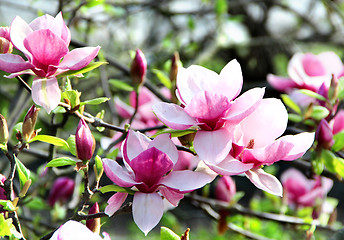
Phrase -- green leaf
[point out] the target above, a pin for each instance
(294, 117)
(95, 101)
(62, 161)
(73, 96)
(113, 154)
(290, 103)
(338, 141)
(37, 203)
(71, 144)
(163, 78)
(317, 163)
(86, 69)
(115, 188)
(332, 162)
(4, 228)
(176, 133)
(319, 112)
(23, 172)
(50, 139)
(120, 85)
(221, 7)
(168, 234)
(7, 205)
(312, 94)
(341, 88)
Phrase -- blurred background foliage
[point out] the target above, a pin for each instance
(261, 34)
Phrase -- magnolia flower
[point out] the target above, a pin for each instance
(337, 123)
(5, 40)
(255, 144)
(61, 191)
(84, 141)
(73, 230)
(301, 191)
(308, 71)
(225, 189)
(208, 101)
(148, 168)
(44, 42)
(138, 68)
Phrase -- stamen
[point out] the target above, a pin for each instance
(250, 145)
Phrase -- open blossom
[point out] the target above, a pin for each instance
(257, 142)
(44, 42)
(73, 230)
(301, 191)
(209, 102)
(148, 170)
(308, 71)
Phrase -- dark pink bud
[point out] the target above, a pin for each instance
(324, 135)
(2, 191)
(225, 189)
(138, 68)
(338, 122)
(84, 141)
(61, 190)
(28, 128)
(94, 224)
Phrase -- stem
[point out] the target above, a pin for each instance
(137, 89)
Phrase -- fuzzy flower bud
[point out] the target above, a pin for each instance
(5, 40)
(84, 141)
(324, 135)
(225, 189)
(28, 128)
(94, 224)
(61, 190)
(3, 131)
(138, 68)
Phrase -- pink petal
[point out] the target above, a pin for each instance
(338, 122)
(186, 180)
(115, 202)
(165, 144)
(46, 48)
(231, 80)
(79, 58)
(265, 181)
(117, 174)
(123, 109)
(18, 31)
(267, 122)
(244, 105)
(171, 196)
(302, 142)
(295, 69)
(195, 79)
(331, 62)
(230, 166)
(46, 93)
(281, 83)
(74, 230)
(147, 210)
(137, 139)
(12, 63)
(312, 65)
(208, 106)
(213, 146)
(173, 116)
(150, 166)
(277, 150)
(48, 22)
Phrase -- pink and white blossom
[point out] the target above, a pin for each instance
(44, 42)
(148, 165)
(308, 71)
(301, 191)
(209, 101)
(257, 142)
(73, 230)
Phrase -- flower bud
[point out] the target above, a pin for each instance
(28, 128)
(61, 190)
(2, 191)
(225, 189)
(324, 135)
(84, 141)
(173, 76)
(94, 224)
(3, 130)
(138, 68)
